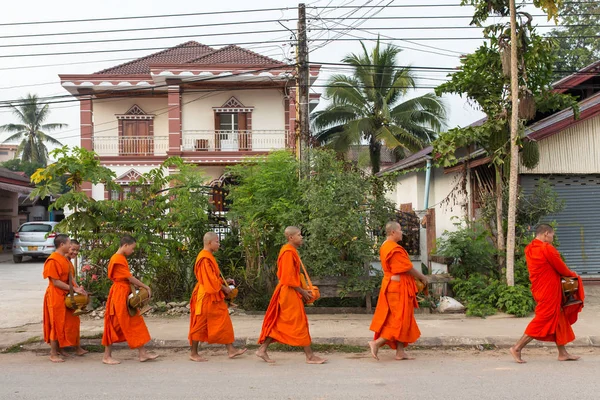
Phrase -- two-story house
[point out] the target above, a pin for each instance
(212, 107)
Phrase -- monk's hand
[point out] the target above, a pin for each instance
(226, 289)
(80, 290)
(149, 291)
(230, 281)
(306, 295)
(424, 280)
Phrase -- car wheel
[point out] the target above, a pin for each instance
(17, 259)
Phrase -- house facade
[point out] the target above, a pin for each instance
(569, 161)
(212, 107)
(13, 187)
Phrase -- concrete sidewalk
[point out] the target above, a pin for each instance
(350, 329)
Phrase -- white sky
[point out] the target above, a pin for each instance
(39, 75)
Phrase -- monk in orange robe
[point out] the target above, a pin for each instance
(285, 320)
(57, 331)
(552, 321)
(72, 322)
(119, 326)
(209, 316)
(394, 321)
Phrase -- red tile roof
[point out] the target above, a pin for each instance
(179, 54)
(233, 54)
(191, 53)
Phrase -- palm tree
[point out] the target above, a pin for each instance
(30, 130)
(367, 107)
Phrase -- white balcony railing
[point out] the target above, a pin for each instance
(255, 140)
(131, 146)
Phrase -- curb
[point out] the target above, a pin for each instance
(480, 343)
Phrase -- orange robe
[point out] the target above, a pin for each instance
(209, 316)
(552, 322)
(394, 317)
(59, 322)
(285, 320)
(119, 326)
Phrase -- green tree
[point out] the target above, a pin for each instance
(19, 165)
(484, 78)
(31, 129)
(368, 106)
(167, 215)
(265, 200)
(578, 36)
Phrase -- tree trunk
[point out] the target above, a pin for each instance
(500, 240)
(374, 154)
(514, 150)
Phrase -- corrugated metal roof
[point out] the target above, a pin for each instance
(15, 188)
(414, 159)
(7, 173)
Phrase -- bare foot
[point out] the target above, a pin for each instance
(315, 360)
(374, 349)
(517, 355)
(568, 357)
(403, 356)
(197, 358)
(148, 357)
(81, 351)
(237, 353)
(110, 361)
(63, 353)
(264, 356)
(56, 359)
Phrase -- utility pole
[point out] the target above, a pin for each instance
(514, 149)
(302, 85)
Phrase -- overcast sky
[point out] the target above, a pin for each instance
(39, 74)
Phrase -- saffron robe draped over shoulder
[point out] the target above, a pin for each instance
(119, 326)
(59, 322)
(552, 322)
(209, 317)
(394, 317)
(285, 320)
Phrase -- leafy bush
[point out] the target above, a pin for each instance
(472, 249)
(483, 296)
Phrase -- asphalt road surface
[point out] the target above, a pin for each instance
(22, 289)
(443, 374)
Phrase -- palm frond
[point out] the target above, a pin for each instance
(53, 127)
(16, 136)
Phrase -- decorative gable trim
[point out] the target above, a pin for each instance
(128, 177)
(135, 112)
(233, 105)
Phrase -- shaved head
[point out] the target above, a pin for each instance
(291, 230)
(543, 228)
(392, 227)
(210, 237)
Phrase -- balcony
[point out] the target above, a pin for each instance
(255, 140)
(131, 146)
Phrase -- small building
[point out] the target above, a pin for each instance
(12, 186)
(569, 161)
(7, 152)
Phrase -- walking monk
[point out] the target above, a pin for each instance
(72, 322)
(285, 320)
(57, 331)
(209, 316)
(552, 321)
(119, 326)
(394, 321)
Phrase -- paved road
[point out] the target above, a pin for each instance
(21, 293)
(447, 375)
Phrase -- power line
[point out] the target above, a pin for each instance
(65, 21)
(144, 29)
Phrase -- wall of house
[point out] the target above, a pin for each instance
(106, 123)
(268, 114)
(571, 151)
(9, 208)
(449, 208)
(408, 190)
